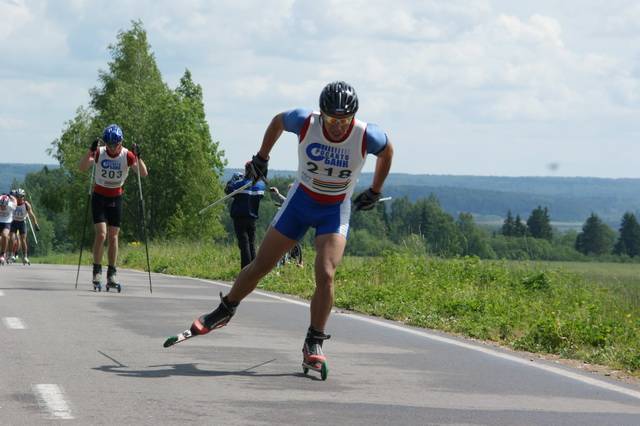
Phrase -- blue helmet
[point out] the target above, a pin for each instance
(112, 135)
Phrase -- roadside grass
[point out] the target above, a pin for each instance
(583, 311)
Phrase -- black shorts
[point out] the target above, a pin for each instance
(106, 209)
(4, 226)
(19, 226)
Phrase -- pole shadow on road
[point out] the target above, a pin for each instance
(189, 369)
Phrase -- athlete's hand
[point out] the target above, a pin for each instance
(37, 227)
(366, 200)
(137, 150)
(94, 145)
(257, 168)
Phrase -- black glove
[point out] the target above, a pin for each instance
(366, 200)
(37, 227)
(257, 168)
(94, 145)
(137, 149)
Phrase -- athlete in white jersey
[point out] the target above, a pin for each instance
(7, 207)
(18, 234)
(112, 164)
(332, 148)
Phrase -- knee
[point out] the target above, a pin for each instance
(324, 279)
(101, 236)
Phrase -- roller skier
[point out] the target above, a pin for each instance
(332, 148)
(112, 164)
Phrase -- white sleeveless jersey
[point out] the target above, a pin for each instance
(20, 214)
(331, 168)
(6, 215)
(112, 172)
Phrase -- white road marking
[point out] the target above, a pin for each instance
(1, 293)
(51, 398)
(487, 351)
(14, 323)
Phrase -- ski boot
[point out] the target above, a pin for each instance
(206, 322)
(3, 261)
(25, 260)
(97, 277)
(12, 259)
(111, 279)
(215, 319)
(312, 356)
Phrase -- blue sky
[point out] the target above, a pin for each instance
(461, 87)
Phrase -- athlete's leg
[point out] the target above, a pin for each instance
(23, 242)
(329, 252)
(98, 242)
(112, 254)
(274, 245)
(4, 241)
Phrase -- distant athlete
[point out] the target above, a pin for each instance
(112, 164)
(244, 212)
(332, 148)
(8, 205)
(18, 233)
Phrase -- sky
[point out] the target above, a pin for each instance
(461, 87)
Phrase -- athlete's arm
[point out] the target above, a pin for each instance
(85, 162)
(32, 215)
(291, 121)
(137, 164)
(383, 165)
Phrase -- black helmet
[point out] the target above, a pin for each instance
(338, 98)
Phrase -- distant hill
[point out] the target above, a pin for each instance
(570, 199)
(17, 172)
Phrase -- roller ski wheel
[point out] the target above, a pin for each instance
(205, 323)
(312, 356)
(117, 286)
(320, 367)
(97, 286)
(26, 261)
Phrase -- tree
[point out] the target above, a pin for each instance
(629, 240)
(519, 228)
(475, 240)
(596, 237)
(539, 224)
(184, 163)
(508, 226)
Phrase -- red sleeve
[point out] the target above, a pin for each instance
(131, 158)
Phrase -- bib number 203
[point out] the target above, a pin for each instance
(111, 174)
(313, 168)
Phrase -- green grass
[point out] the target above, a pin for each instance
(584, 311)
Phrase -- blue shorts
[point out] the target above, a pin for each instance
(299, 212)
(4, 226)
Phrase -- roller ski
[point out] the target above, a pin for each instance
(312, 356)
(97, 277)
(3, 261)
(111, 280)
(206, 322)
(26, 261)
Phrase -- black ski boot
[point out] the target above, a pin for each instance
(216, 319)
(97, 277)
(312, 356)
(111, 279)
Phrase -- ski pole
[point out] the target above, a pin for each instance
(32, 232)
(226, 197)
(144, 227)
(84, 225)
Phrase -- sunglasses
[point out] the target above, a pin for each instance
(330, 121)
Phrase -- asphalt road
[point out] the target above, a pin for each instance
(79, 357)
